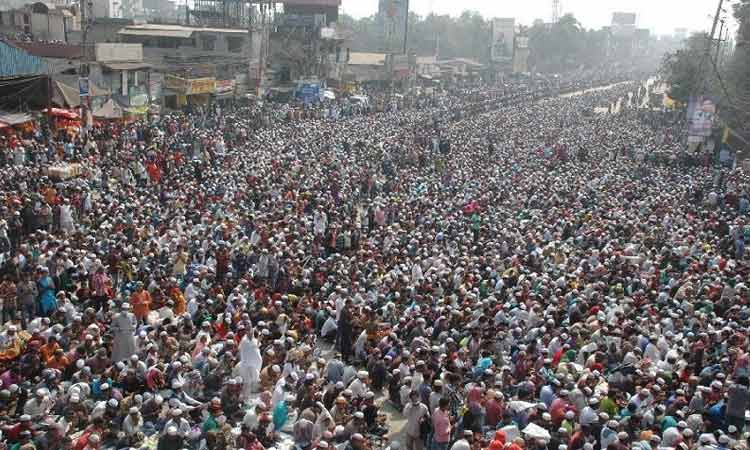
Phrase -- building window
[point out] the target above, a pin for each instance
(166, 42)
(26, 19)
(235, 44)
(208, 43)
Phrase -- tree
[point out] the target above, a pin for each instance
(562, 46)
(737, 81)
(685, 70)
(565, 45)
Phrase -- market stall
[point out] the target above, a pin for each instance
(64, 119)
(15, 123)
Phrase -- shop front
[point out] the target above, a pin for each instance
(180, 92)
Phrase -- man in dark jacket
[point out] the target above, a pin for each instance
(170, 440)
(738, 401)
(345, 331)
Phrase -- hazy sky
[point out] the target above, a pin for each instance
(661, 16)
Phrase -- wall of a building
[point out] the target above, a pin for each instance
(118, 52)
(49, 27)
(16, 62)
(100, 31)
(157, 56)
(104, 8)
(40, 26)
(113, 9)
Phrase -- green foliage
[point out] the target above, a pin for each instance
(555, 48)
(737, 70)
(685, 70)
(565, 45)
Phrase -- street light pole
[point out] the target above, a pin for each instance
(709, 43)
(406, 28)
(719, 43)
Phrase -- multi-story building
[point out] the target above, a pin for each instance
(192, 64)
(121, 71)
(118, 9)
(41, 21)
(307, 42)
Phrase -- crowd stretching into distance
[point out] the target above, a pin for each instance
(484, 268)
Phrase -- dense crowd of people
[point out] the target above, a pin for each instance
(474, 271)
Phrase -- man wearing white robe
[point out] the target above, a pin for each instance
(250, 365)
(66, 218)
(123, 334)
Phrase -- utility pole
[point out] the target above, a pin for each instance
(555, 11)
(262, 44)
(702, 87)
(406, 28)
(84, 69)
(50, 122)
(709, 43)
(251, 51)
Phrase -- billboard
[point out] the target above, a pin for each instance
(701, 113)
(309, 91)
(391, 21)
(193, 86)
(503, 32)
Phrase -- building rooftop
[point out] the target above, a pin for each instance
(175, 31)
(49, 50)
(366, 59)
(311, 2)
(426, 60)
(467, 61)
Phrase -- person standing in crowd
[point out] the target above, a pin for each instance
(416, 414)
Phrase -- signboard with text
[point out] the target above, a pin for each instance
(190, 86)
(83, 87)
(201, 86)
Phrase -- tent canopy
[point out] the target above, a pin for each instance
(66, 96)
(109, 110)
(14, 118)
(63, 113)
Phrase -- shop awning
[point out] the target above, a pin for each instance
(66, 96)
(14, 118)
(182, 33)
(127, 66)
